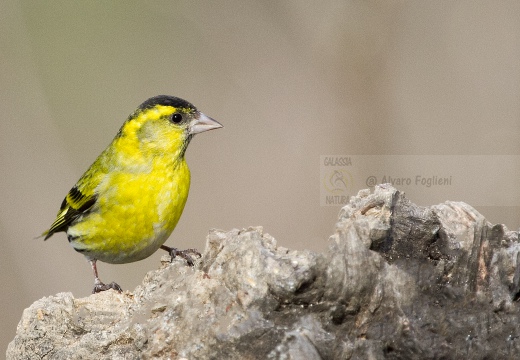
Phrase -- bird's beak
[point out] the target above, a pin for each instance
(203, 123)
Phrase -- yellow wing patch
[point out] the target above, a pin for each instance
(74, 205)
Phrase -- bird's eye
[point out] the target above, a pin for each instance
(176, 118)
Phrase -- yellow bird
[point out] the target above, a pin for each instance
(128, 202)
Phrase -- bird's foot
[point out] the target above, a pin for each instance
(100, 286)
(185, 254)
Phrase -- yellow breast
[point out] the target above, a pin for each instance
(135, 213)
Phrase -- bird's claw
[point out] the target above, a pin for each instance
(99, 286)
(185, 254)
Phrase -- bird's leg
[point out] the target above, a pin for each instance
(174, 252)
(98, 284)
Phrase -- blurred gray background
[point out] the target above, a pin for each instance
(290, 81)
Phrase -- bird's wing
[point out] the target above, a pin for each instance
(78, 201)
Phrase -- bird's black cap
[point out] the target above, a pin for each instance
(165, 100)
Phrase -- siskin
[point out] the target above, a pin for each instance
(128, 202)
